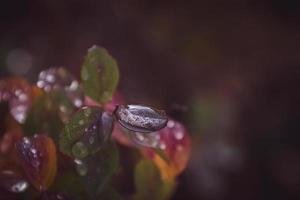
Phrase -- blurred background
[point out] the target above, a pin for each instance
(227, 69)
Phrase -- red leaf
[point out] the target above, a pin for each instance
(38, 159)
(174, 142)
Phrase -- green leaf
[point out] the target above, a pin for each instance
(148, 182)
(97, 170)
(99, 74)
(44, 117)
(68, 181)
(86, 132)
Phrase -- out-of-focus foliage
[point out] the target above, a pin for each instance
(18, 93)
(149, 184)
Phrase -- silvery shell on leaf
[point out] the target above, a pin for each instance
(139, 118)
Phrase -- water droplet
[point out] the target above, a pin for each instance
(78, 102)
(140, 118)
(91, 140)
(162, 146)
(74, 85)
(179, 135)
(63, 108)
(40, 84)
(79, 150)
(33, 150)
(170, 124)
(87, 111)
(50, 78)
(140, 137)
(145, 139)
(81, 168)
(18, 92)
(26, 140)
(23, 97)
(20, 186)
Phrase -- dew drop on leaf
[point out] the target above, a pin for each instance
(79, 150)
(140, 118)
(86, 132)
(20, 186)
(145, 139)
(81, 167)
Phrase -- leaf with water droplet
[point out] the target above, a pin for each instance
(99, 74)
(86, 132)
(139, 118)
(37, 156)
(17, 92)
(174, 142)
(59, 79)
(97, 170)
(148, 182)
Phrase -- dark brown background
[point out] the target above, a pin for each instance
(228, 69)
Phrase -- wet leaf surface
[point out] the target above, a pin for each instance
(142, 119)
(99, 74)
(86, 132)
(97, 170)
(37, 156)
